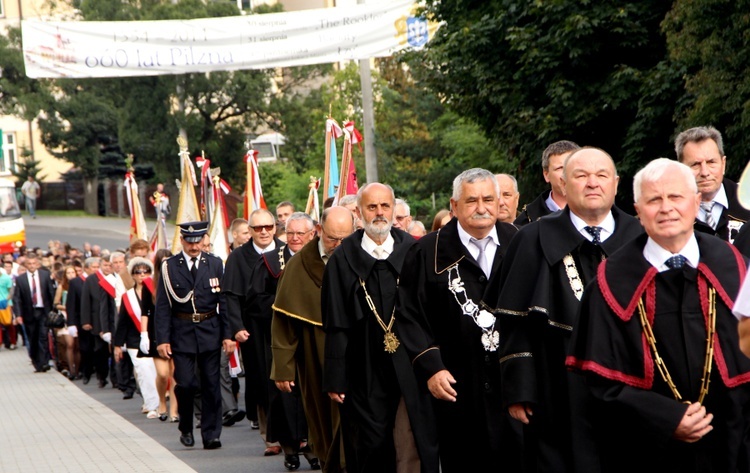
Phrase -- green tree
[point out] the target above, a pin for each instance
(708, 41)
(530, 73)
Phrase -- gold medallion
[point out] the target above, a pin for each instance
(391, 342)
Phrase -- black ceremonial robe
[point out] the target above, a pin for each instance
(245, 312)
(286, 416)
(534, 210)
(537, 310)
(732, 219)
(438, 335)
(357, 364)
(639, 412)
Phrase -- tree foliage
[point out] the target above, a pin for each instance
(710, 41)
(530, 73)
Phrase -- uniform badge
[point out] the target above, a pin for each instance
(214, 283)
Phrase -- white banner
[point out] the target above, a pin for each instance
(82, 49)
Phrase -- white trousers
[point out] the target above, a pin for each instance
(145, 376)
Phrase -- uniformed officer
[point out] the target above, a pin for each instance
(191, 327)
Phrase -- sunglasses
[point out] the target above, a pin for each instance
(142, 271)
(259, 228)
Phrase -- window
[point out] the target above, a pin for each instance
(7, 152)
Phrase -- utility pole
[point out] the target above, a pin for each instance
(368, 117)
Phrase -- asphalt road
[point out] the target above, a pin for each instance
(108, 232)
(242, 448)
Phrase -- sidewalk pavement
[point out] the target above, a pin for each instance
(50, 425)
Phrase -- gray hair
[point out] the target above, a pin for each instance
(513, 179)
(656, 169)
(416, 224)
(696, 135)
(139, 261)
(302, 216)
(403, 203)
(116, 254)
(348, 199)
(470, 176)
(91, 260)
(558, 147)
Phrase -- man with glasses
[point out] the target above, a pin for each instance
(284, 412)
(401, 215)
(297, 336)
(242, 305)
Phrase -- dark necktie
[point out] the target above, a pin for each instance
(482, 257)
(676, 262)
(194, 267)
(595, 232)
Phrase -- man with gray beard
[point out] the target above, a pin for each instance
(366, 370)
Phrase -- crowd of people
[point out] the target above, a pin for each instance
(526, 340)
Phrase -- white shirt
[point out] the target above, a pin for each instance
(369, 245)
(35, 277)
(188, 258)
(657, 256)
(489, 250)
(607, 225)
(270, 247)
(551, 204)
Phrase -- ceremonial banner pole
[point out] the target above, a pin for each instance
(187, 210)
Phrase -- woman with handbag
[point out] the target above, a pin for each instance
(68, 362)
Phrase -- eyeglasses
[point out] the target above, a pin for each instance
(259, 228)
(297, 234)
(402, 217)
(142, 271)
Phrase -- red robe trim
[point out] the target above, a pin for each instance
(647, 285)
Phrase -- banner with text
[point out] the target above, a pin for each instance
(82, 49)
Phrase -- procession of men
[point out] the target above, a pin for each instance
(564, 336)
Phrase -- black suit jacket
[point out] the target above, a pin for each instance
(732, 220)
(22, 296)
(73, 302)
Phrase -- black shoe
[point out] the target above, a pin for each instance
(291, 462)
(254, 425)
(163, 416)
(314, 464)
(232, 417)
(102, 383)
(45, 368)
(86, 379)
(127, 396)
(212, 444)
(187, 439)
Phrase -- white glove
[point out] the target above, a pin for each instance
(145, 342)
(107, 337)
